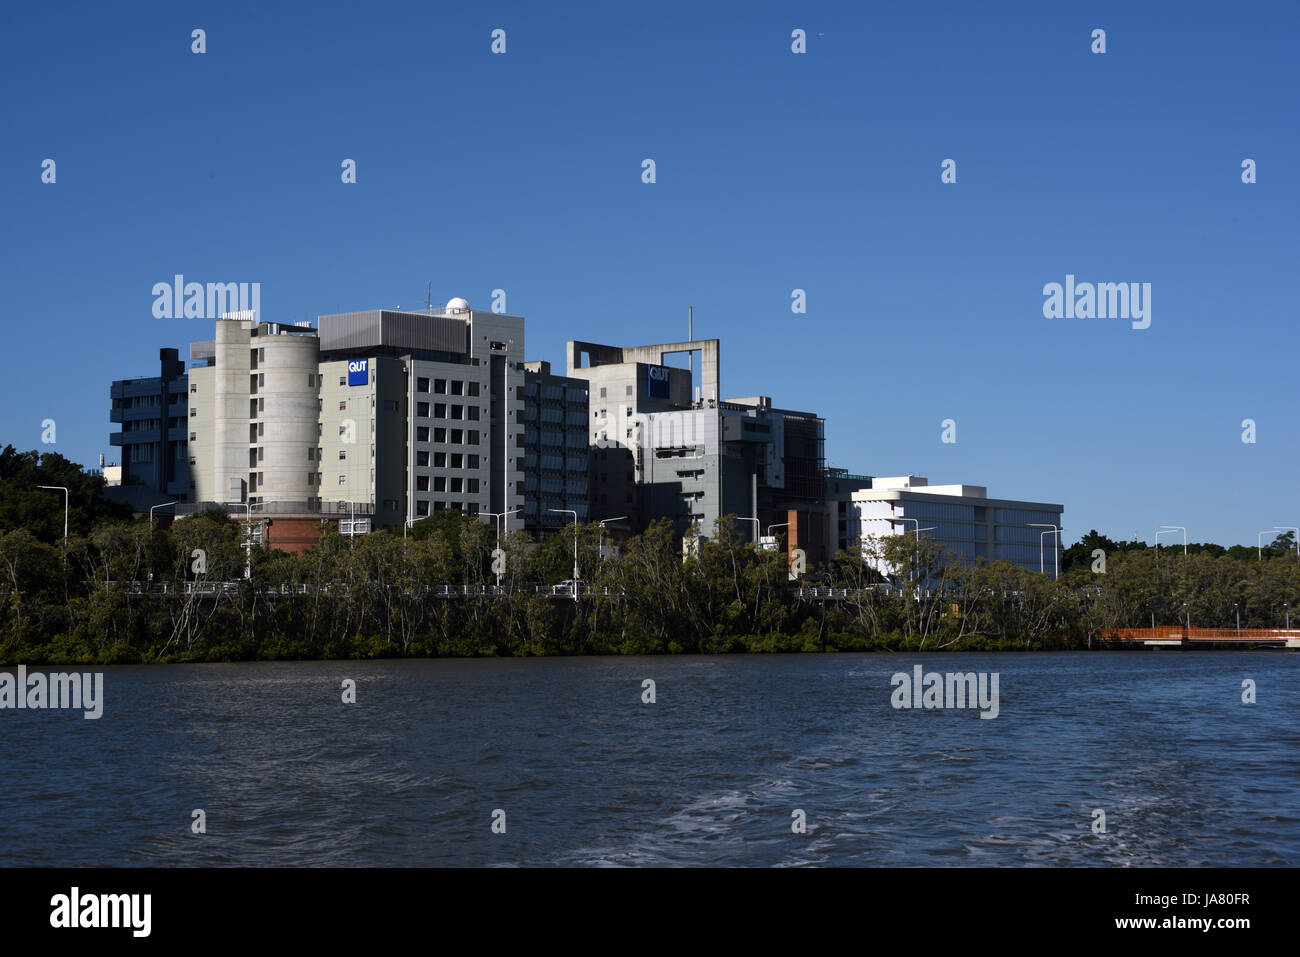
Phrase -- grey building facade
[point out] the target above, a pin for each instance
(153, 413)
(557, 456)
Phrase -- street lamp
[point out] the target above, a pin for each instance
(600, 542)
(248, 534)
(1057, 552)
(497, 518)
(159, 505)
(64, 490)
(758, 528)
(570, 511)
(1238, 611)
(1172, 528)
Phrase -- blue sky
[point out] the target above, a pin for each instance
(775, 171)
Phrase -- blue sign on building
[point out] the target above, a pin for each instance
(358, 372)
(657, 382)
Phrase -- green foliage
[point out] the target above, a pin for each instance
(121, 591)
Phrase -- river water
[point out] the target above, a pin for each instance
(586, 773)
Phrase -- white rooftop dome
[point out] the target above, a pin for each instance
(457, 305)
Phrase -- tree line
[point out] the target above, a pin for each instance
(80, 600)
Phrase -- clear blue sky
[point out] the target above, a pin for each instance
(775, 171)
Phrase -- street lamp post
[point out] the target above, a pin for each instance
(1238, 611)
(248, 534)
(1172, 528)
(600, 543)
(64, 490)
(159, 505)
(498, 519)
(575, 546)
(1057, 554)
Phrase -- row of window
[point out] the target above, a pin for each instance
(448, 436)
(442, 460)
(441, 410)
(441, 386)
(422, 506)
(444, 483)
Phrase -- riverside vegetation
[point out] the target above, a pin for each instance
(80, 601)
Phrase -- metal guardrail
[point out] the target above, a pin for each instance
(332, 508)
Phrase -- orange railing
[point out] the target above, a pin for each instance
(1181, 632)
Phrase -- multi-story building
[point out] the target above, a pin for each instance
(556, 449)
(625, 384)
(153, 413)
(382, 417)
(961, 517)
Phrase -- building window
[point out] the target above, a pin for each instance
(473, 413)
(342, 454)
(422, 460)
(440, 483)
(311, 380)
(457, 460)
(458, 412)
(422, 385)
(472, 461)
(310, 477)
(473, 437)
(458, 485)
(422, 483)
(261, 404)
(457, 436)
(261, 378)
(457, 387)
(422, 409)
(440, 410)
(343, 405)
(343, 480)
(440, 435)
(343, 380)
(473, 389)
(440, 386)
(261, 452)
(472, 508)
(602, 392)
(440, 460)
(261, 429)
(422, 433)
(421, 507)
(194, 413)
(629, 390)
(194, 387)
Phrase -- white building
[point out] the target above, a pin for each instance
(961, 517)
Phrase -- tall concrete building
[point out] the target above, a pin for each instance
(664, 450)
(556, 449)
(153, 414)
(624, 384)
(380, 417)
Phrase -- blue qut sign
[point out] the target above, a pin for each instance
(656, 381)
(358, 372)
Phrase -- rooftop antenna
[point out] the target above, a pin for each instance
(428, 299)
(690, 337)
